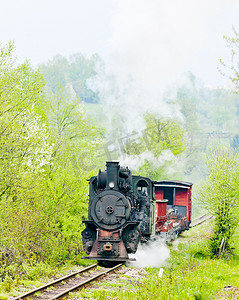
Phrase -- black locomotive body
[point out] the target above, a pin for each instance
(126, 209)
(121, 213)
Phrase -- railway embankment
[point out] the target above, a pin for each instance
(63, 286)
(189, 273)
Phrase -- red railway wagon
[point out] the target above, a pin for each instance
(173, 207)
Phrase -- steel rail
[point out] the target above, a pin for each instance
(82, 284)
(203, 219)
(43, 287)
(200, 217)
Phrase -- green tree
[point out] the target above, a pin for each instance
(157, 147)
(75, 143)
(235, 142)
(231, 70)
(188, 98)
(220, 192)
(210, 114)
(164, 134)
(74, 72)
(25, 152)
(47, 149)
(23, 134)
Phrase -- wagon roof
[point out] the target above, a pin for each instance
(172, 183)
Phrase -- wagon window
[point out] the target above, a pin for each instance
(169, 195)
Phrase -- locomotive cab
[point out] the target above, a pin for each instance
(145, 206)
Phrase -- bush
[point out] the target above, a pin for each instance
(220, 193)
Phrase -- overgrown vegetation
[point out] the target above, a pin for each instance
(220, 193)
(43, 189)
(156, 148)
(48, 147)
(231, 70)
(72, 74)
(190, 273)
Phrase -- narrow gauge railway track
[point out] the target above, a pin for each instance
(63, 286)
(200, 220)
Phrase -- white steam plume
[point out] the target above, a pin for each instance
(153, 254)
(135, 161)
(152, 44)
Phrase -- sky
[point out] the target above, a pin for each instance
(169, 37)
(41, 29)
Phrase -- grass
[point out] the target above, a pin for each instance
(35, 275)
(190, 273)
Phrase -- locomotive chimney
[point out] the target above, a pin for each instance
(112, 169)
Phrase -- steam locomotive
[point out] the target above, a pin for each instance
(125, 210)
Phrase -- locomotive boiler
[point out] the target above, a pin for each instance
(121, 213)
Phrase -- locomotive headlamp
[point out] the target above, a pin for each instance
(111, 185)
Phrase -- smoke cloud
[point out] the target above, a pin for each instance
(153, 254)
(135, 161)
(153, 44)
